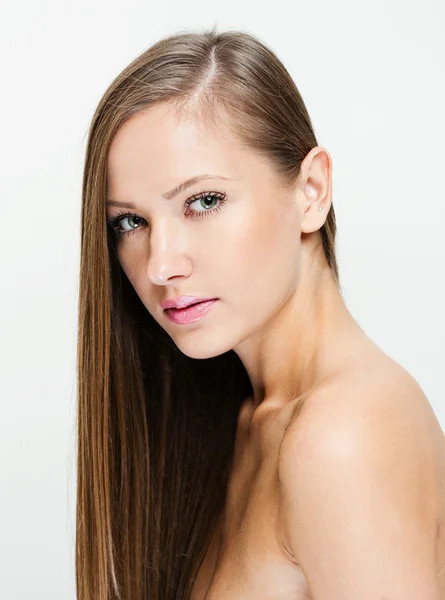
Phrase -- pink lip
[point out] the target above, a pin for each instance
(182, 301)
(195, 312)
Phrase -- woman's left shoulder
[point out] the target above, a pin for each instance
(379, 395)
(360, 486)
(376, 405)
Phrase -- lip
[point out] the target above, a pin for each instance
(183, 301)
(190, 314)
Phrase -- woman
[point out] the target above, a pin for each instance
(258, 444)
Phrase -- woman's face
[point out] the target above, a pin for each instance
(241, 246)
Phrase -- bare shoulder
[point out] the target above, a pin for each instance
(359, 470)
(383, 399)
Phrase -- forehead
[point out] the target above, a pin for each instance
(155, 149)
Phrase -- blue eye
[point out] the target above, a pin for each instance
(207, 197)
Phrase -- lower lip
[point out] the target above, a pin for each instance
(192, 313)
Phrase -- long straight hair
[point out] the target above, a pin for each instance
(156, 428)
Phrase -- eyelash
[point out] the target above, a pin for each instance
(115, 223)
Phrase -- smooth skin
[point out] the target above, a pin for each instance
(340, 497)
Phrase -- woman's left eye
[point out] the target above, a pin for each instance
(206, 197)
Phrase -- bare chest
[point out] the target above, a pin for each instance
(271, 575)
(247, 556)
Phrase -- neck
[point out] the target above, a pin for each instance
(307, 339)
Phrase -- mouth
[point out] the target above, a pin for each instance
(191, 313)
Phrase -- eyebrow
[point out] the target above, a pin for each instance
(172, 193)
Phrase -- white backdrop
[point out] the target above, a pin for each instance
(372, 77)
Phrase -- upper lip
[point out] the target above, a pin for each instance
(182, 301)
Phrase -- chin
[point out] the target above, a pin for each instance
(199, 349)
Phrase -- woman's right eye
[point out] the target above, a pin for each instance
(115, 223)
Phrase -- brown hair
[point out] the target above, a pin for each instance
(156, 428)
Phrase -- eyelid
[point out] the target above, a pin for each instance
(204, 193)
(189, 199)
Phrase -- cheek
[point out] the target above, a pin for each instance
(129, 264)
(262, 250)
(136, 272)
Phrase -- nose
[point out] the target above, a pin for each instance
(167, 253)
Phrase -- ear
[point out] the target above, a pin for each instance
(315, 184)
